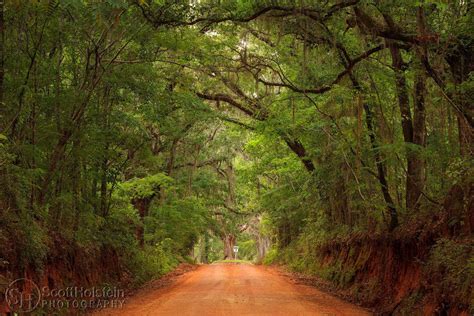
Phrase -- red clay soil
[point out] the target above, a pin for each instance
(234, 289)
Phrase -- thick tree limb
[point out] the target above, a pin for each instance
(294, 144)
(228, 99)
(297, 147)
(339, 77)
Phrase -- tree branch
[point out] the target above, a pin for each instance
(228, 99)
(339, 77)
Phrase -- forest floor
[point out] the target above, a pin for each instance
(233, 289)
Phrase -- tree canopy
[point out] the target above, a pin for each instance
(154, 131)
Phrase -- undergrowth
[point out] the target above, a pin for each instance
(150, 263)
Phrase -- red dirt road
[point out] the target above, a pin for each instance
(234, 289)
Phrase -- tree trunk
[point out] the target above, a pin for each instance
(392, 211)
(413, 132)
(229, 243)
(381, 169)
(466, 137)
(461, 62)
(416, 174)
(402, 93)
(142, 205)
(415, 177)
(206, 249)
(263, 244)
(105, 159)
(2, 59)
(379, 163)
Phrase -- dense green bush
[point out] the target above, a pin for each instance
(449, 270)
(271, 257)
(150, 263)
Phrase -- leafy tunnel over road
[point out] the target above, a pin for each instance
(334, 137)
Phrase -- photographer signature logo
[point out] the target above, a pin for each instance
(22, 296)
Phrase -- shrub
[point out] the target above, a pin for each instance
(450, 270)
(150, 263)
(271, 256)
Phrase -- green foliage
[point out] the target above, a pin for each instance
(150, 263)
(247, 248)
(146, 187)
(279, 126)
(120, 229)
(238, 261)
(179, 222)
(450, 270)
(271, 256)
(32, 241)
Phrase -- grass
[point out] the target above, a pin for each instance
(233, 261)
